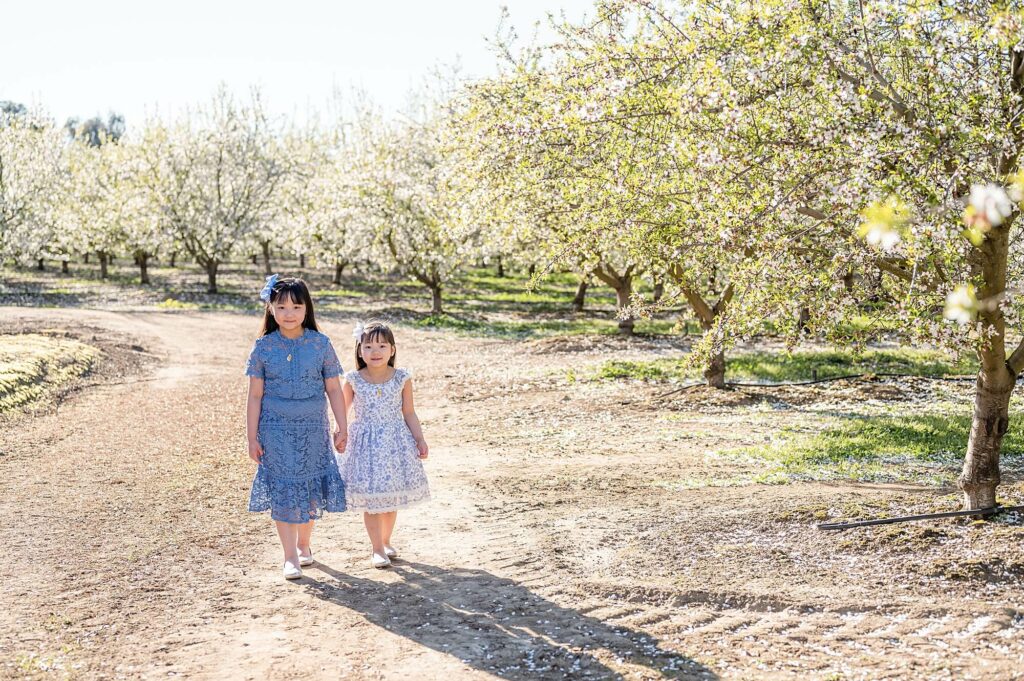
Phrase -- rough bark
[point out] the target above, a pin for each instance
(143, 261)
(803, 320)
(707, 314)
(211, 276)
(435, 295)
(980, 475)
(622, 295)
(265, 250)
(622, 284)
(714, 374)
(581, 293)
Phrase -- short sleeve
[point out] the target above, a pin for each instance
(332, 366)
(254, 366)
(403, 377)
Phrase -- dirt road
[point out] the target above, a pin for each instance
(557, 545)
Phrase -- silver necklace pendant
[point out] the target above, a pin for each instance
(289, 358)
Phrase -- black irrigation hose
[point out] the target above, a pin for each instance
(992, 510)
(840, 378)
(736, 384)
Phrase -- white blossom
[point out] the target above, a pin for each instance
(961, 304)
(990, 202)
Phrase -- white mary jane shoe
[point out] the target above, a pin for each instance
(291, 571)
(389, 551)
(306, 561)
(379, 561)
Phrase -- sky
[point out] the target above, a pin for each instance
(151, 57)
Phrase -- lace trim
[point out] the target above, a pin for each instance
(385, 502)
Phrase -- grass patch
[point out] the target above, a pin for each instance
(515, 328)
(796, 366)
(926, 448)
(31, 364)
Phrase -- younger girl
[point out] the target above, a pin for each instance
(291, 366)
(382, 465)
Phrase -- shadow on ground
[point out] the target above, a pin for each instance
(499, 626)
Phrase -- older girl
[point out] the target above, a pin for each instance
(290, 368)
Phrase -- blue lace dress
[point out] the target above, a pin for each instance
(381, 465)
(298, 477)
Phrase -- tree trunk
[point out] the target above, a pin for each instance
(41, 264)
(714, 374)
(339, 267)
(848, 280)
(211, 275)
(707, 315)
(532, 269)
(435, 292)
(143, 261)
(581, 293)
(996, 377)
(302, 261)
(622, 295)
(64, 266)
(104, 261)
(174, 256)
(980, 475)
(265, 250)
(659, 290)
(501, 267)
(85, 258)
(804, 320)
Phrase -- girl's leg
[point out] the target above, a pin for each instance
(289, 535)
(304, 534)
(373, 528)
(388, 523)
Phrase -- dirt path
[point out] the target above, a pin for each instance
(557, 545)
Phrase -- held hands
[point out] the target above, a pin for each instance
(421, 445)
(255, 450)
(340, 440)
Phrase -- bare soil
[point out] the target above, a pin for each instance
(563, 541)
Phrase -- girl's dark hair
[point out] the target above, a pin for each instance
(373, 330)
(295, 289)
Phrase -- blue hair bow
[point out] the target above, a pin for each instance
(268, 288)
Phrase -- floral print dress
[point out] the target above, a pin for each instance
(381, 465)
(298, 476)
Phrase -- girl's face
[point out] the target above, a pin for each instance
(376, 351)
(288, 313)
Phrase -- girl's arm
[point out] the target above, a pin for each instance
(349, 395)
(253, 404)
(411, 420)
(334, 395)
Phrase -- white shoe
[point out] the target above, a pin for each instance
(291, 571)
(389, 551)
(379, 561)
(306, 561)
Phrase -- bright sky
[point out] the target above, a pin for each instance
(139, 57)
